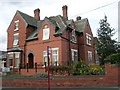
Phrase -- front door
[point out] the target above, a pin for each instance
(31, 60)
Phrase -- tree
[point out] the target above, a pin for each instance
(106, 45)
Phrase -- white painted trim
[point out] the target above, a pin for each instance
(74, 50)
(16, 21)
(16, 34)
(10, 52)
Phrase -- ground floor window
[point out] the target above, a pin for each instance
(55, 56)
(89, 57)
(45, 58)
(10, 56)
(17, 59)
(74, 55)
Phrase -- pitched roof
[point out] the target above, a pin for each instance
(29, 19)
(80, 25)
(60, 24)
(56, 21)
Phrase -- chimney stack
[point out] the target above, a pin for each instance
(78, 18)
(64, 8)
(37, 14)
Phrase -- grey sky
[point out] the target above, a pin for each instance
(54, 7)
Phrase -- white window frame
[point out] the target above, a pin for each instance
(73, 36)
(73, 56)
(45, 60)
(57, 54)
(46, 33)
(90, 57)
(16, 25)
(15, 42)
(17, 59)
(88, 39)
(10, 62)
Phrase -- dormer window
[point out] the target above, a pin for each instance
(46, 33)
(73, 36)
(88, 39)
(15, 42)
(16, 25)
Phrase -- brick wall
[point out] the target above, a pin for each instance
(109, 79)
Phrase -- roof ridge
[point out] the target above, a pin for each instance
(25, 14)
(29, 19)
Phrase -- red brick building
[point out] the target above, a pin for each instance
(28, 38)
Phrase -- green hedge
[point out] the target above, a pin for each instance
(114, 58)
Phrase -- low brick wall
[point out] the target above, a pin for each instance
(32, 71)
(110, 79)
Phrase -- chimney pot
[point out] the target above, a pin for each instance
(64, 8)
(78, 18)
(37, 14)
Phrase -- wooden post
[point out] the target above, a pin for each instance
(7, 61)
(27, 67)
(36, 67)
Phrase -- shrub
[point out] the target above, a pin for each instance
(114, 58)
(60, 69)
(96, 70)
(80, 68)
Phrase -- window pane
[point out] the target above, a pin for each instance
(46, 33)
(73, 36)
(17, 62)
(16, 25)
(74, 55)
(54, 52)
(44, 53)
(15, 40)
(17, 55)
(55, 57)
(90, 56)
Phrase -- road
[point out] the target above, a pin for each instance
(81, 88)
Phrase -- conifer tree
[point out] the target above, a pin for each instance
(106, 45)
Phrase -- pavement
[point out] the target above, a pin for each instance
(80, 88)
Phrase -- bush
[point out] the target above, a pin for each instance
(80, 68)
(77, 68)
(114, 58)
(96, 70)
(60, 69)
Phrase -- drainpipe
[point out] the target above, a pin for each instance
(69, 49)
(78, 39)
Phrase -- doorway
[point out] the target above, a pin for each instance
(31, 60)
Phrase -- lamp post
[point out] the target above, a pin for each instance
(48, 53)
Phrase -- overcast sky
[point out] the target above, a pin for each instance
(94, 10)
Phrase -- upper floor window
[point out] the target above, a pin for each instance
(46, 33)
(16, 25)
(74, 55)
(88, 39)
(73, 36)
(15, 42)
(89, 57)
